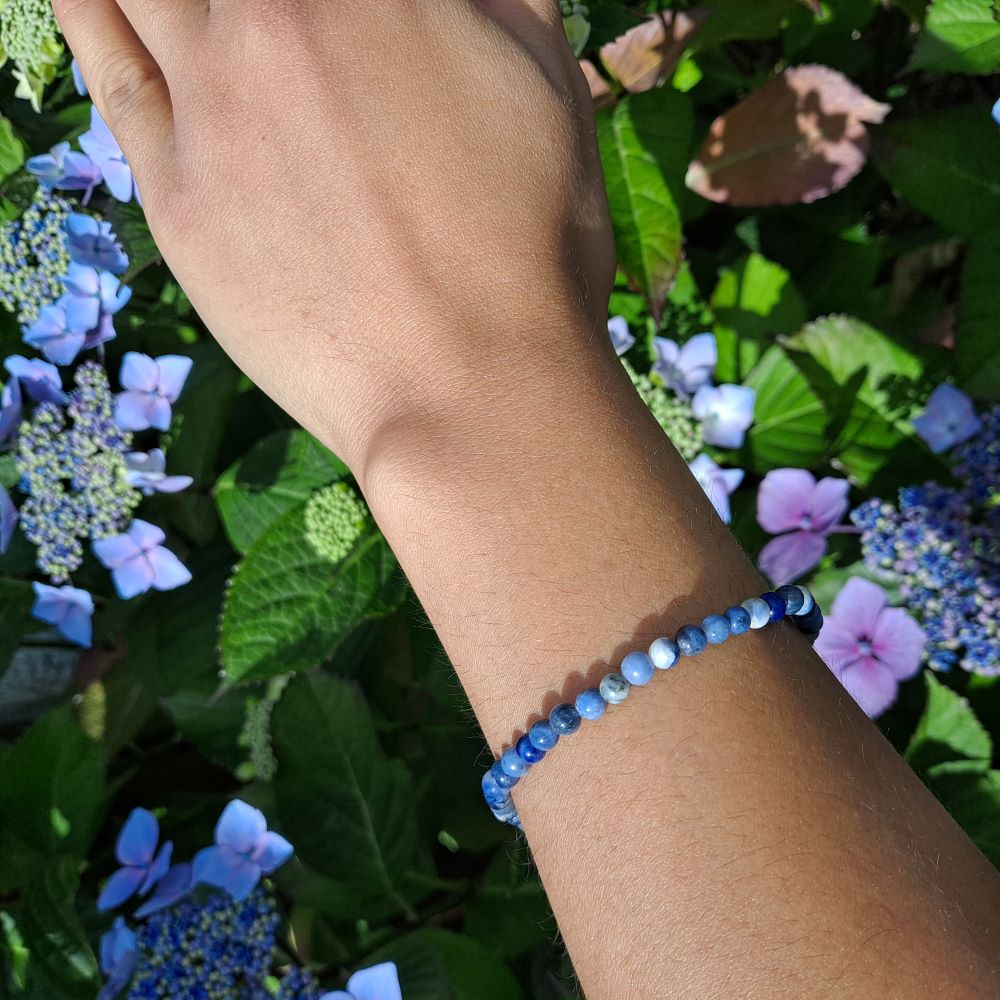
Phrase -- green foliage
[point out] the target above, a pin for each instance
(959, 36)
(977, 339)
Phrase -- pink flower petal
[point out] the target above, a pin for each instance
(787, 557)
(829, 503)
(837, 645)
(858, 606)
(784, 498)
(871, 685)
(899, 643)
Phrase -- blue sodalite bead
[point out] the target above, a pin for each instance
(793, 598)
(776, 604)
(691, 640)
(512, 763)
(502, 778)
(590, 704)
(808, 603)
(637, 668)
(543, 736)
(564, 719)
(495, 795)
(664, 653)
(759, 611)
(811, 623)
(527, 750)
(507, 813)
(716, 629)
(614, 688)
(739, 620)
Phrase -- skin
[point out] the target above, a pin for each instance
(398, 230)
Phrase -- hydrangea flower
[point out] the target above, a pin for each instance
(996, 111)
(39, 379)
(139, 562)
(380, 982)
(102, 147)
(147, 472)
(172, 888)
(118, 958)
(78, 80)
(94, 244)
(802, 513)
(335, 519)
(725, 413)
(8, 520)
(142, 865)
(672, 414)
(245, 850)
(870, 646)
(11, 409)
(69, 609)
(948, 420)
(67, 169)
(686, 369)
(92, 298)
(52, 334)
(621, 336)
(718, 483)
(151, 387)
(29, 35)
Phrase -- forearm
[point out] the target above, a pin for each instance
(736, 829)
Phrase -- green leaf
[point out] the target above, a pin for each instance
(948, 732)
(129, 222)
(945, 165)
(609, 20)
(16, 599)
(789, 418)
(977, 343)
(644, 143)
(730, 20)
(9, 476)
(279, 473)
(959, 36)
(52, 786)
(753, 302)
(288, 608)
(974, 802)
(11, 150)
(349, 811)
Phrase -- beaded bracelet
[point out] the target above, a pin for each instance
(637, 670)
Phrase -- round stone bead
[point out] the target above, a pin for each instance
(502, 778)
(590, 704)
(664, 653)
(543, 736)
(495, 795)
(811, 623)
(776, 604)
(564, 719)
(739, 620)
(793, 598)
(527, 750)
(691, 640)
(637, 668)
(758, 610)
(614, 689)
(716, 629)
(507, 813)
(512, 763)
(808, 603)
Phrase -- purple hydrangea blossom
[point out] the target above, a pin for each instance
(92, 298)
(172, 888)
(94, 244)
(725, 413)
(53, 335)
(802, 513)
(147, 472)
(119, 956)
(870, 646)
(142, 865)
(686, 369)
(380, 982)
(151, 387)
(67, 169)
(718, 483)
(621, 336)
(39, 379)
(139, 562)
(948, 420)
(245, 850)
(69, 609)
(102, 147)
(11, 409)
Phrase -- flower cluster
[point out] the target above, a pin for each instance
(335, 519)
(29, 35)
(694, 412)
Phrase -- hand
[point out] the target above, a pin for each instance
(374, 207)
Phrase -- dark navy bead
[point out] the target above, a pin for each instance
(543, 736)
(502, 778)
(716, 629)
(812, 622)
(691, 640)
(637, 668)
(564, 719)
(775, 603)
(793, 598)
(739, 620)
(527, 750)
(495, 795)
(590, 704)
(512, 764)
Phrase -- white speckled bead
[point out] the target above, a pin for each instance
(808, 602)
(664, 653)
(614, 688)
(758, 610)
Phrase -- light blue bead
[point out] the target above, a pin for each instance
(808, 603)
(716, 629)
(637, 668)
(513, 763)
(564, 719)
(590, 704)
(506, 813)
(495, 795)
(691, 640)
(759, 611)
(501, 777)
(664, 653)
(614, 689)
(543, 736)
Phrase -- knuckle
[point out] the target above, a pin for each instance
(123, 87)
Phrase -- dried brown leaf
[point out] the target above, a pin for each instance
(645, 55)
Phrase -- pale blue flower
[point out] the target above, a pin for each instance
(686, 369)
(151, 387)
(147, 472)
(94, 244)
(172, 888)
(119, 956)
(11, 409)
(102, 147)
(621, 336)
(725, 413)
(52, 334)
(718, 483)
(8, 520)
(142, 865)
(39, 379)
(139, 562)
(69, 609)
(949, 419)
(65, 168)
(78, 80)
(996, 111)
(92, 298)
(380, 982)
